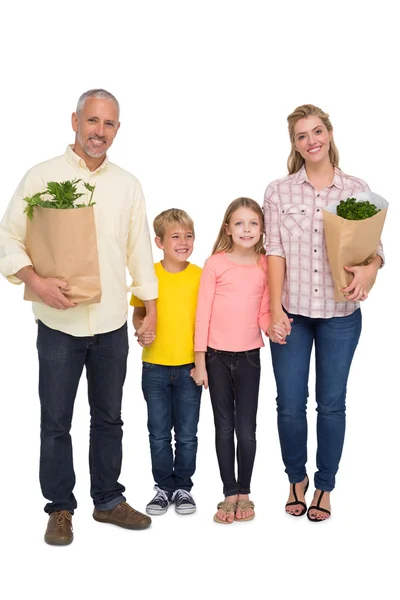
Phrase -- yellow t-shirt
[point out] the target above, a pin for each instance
(176, 315)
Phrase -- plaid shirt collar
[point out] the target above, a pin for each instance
(301, 177)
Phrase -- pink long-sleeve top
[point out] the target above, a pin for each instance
(232, 306)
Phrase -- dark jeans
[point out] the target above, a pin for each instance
(234, 381)
(173, 401)
(335, 342)
(61, 361)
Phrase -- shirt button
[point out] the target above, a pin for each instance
(315, 271)
(316, 230)
(315, 249)
(317, 209)
(317, 195)
(315, 290)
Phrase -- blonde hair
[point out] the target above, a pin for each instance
(172, 216)
(295, 160)
(224, 242)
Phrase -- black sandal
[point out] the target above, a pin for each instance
(296, 501)
(318, 507)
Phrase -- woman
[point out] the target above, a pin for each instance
(301, 290)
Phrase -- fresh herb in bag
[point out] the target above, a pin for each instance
(356, 211)
(63, 194)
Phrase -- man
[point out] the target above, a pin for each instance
(95, 336)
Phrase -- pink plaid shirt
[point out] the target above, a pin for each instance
(294, 229)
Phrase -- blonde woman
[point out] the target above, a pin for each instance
(301, 290)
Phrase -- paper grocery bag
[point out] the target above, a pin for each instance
(351, 243)
(63, 243)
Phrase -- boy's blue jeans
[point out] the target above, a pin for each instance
(335, 342)
(173, 402)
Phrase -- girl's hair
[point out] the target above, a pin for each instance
(295, 160)
(172, 216)
(223, 242)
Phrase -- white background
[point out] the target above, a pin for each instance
(205, 89)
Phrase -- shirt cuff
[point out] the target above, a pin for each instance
(382, 255)
(274, 251)
(146, 291)
(12, 264)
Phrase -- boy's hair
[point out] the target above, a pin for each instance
(295, 160)
(223, 242)
(169, 217)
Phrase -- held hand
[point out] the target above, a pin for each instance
(50, 291)
(277, 333)
(280, 327)
(148, 324)
(363, 280)
(146, 338)
(199, 376)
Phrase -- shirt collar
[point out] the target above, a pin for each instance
(76, 161)
(301, 177)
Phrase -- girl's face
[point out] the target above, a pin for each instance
(244, 227)
(312, 140)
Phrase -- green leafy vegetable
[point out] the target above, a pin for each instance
(356, 211)
(63, 195)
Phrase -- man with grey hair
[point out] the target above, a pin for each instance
(71, 337)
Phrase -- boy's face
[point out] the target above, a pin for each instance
(177, 243)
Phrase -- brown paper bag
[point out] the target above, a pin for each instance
(63, 243)
(351, 243)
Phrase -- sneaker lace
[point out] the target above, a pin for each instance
(161, 494)
(182, 495)
(61, 516)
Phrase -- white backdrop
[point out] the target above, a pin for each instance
(205, 89)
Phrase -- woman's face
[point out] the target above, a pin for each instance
(312, 140)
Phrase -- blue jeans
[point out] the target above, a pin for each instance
(173, 402)
(61, 361)
(234, 380)
(335, 342)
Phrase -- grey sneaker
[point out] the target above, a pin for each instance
(159, 504)
(184, 502)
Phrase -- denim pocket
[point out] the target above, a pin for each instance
(253, 358)
(147, 366)
(210, 357)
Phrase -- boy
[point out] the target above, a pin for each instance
(173, 398)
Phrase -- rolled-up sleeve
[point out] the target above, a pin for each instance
(381, 253)
(13, 256)
(139, 253)
(273, 242)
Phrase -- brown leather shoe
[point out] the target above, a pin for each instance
(59, 530)
(123, 515)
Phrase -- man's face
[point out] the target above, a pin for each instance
(95, 126)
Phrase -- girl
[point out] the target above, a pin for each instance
(232, 308)
(301, 289)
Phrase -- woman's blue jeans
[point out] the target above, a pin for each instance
(335, 342)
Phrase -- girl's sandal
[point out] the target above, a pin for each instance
(227, 507)
(245, 505)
